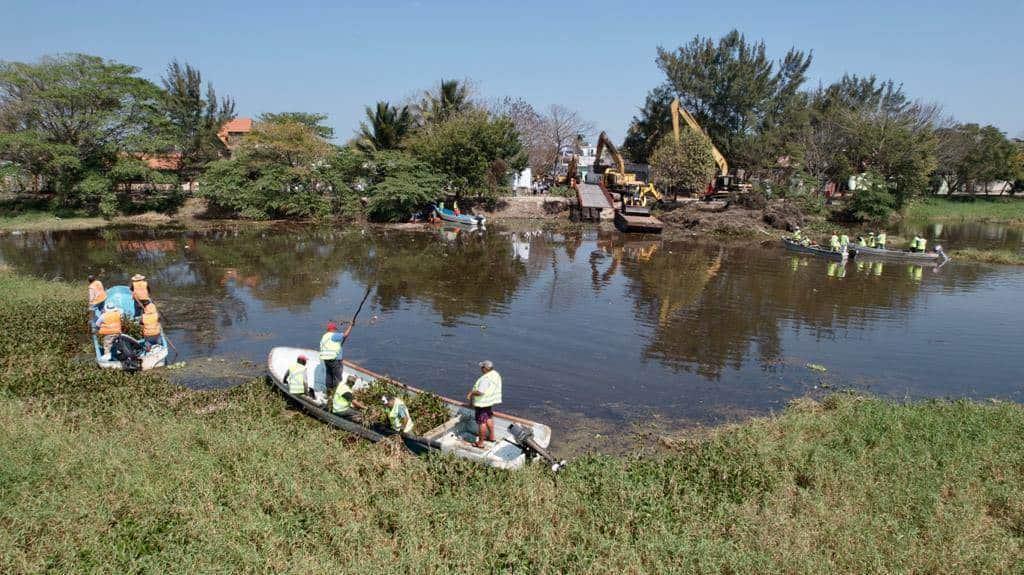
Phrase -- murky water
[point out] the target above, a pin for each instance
(974, 234)
(581, 325)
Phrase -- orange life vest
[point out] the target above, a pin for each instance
(97, 294)
(150, 321)
(140, 290)
(111, 323)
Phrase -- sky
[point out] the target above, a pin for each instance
(597, 58)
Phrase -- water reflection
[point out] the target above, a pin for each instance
(980, 235)
(586, 321)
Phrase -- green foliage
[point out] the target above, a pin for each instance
(969, 209)
(387, 127)
(312, 121)
(194, 118)
(474, 151)
(562, 192)
(735, 91)
(280, 170)
(449, 99)
(399, 186)
(970, 154)
(648, 128)
(873, 200)
(686, 165)
(67, 119)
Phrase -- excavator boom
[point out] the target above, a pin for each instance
(603, 141)
(680, 112)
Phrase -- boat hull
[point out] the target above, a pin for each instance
(465, 219)
(923, 258)
(818, 251)
(453, 437)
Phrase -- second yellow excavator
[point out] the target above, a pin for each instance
(724, 183)
(617, 179)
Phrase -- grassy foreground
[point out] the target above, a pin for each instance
(994, 210)
(102, 472)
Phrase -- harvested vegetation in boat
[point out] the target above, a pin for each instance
(427, 409)
(133, 328)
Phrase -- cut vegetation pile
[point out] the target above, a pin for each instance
(103, 472)
(426, 409)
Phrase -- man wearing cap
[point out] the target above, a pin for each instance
(109, 326)
(140, 292)
(486, 393)
(398, 414)
(331, 343)
(342, 398)
(295, 379)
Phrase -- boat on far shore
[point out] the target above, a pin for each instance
(466, 219)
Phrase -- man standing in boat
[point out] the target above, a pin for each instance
(486, 393)
(331, 353)
(140, 292)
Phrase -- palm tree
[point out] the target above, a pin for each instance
(451, 97)
(386, 127)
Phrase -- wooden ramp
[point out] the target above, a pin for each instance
(593, 197)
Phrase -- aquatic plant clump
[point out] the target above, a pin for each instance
(426, 409)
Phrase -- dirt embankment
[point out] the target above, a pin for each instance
(529, 207)
(695, 219)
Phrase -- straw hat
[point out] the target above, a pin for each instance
(138, 277)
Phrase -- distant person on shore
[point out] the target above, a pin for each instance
(140, 292)
(331, 353)
(398, 414)
(97, 294)
(486, 393)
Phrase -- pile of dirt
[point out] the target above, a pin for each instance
(530, 207)
(783, 215)
(729, 220)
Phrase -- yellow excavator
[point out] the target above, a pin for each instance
(570, 171)
(724, 182)
(617, 179)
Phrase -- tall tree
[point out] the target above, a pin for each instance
(734, 90)
(544, 135)
(449, 98)
(69, 120)
(683, 166)
(194, 117)
(970, 155)
(384, 128)
(311, 120)
(647, 129)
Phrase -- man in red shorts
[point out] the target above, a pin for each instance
(486, 393)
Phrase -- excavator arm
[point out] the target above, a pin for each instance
(680, 112)
(603, 141)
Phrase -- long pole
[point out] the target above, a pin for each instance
(360, 308)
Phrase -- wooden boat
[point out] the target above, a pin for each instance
(155, 356)
(937, 257)
(467, 219)
(637, 219)
(454, 436)
(795, 246)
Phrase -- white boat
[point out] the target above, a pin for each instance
(516, 439)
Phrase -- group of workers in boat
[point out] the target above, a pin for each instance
(109, 323)
(840, 242)
(484, 395)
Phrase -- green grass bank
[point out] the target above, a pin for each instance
(993, 210)
(108, 473)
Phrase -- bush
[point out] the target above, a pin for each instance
(873, 201)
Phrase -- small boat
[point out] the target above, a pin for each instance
(795, 246)
(467, 219)
(515, 438)
(937, 257)
(156, 356)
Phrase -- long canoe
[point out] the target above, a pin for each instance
(936, 257)
(155, 356)
(454, 436)
(467, 219)
(795, 246)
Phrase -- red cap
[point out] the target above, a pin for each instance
(331, 326)
(301, 358)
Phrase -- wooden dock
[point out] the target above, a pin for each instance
(639, 224)
(592, 200)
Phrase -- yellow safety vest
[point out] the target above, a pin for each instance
(329, 349)
(297, 379)
(150, 321)
(844, 240)
(797, 235)
(834, 243)
(396, 416)
(921, 243)
(880, 240)
(489, 384)
(339, 403)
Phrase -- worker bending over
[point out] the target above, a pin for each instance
(109, 326)
(398, 414)
(295, 379)
(97, 295)
(486, 393)
(343, 400)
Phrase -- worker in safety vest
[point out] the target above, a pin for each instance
(140, 292)
(486, 393)
(913, 243)
(833, 242)
(880, 240)
(861, 242)
(921, 244)
(331, 352)
(797, 235)
(455, 208)
(97, 295)
(151, 328)
(295, 379)
(398, 414)
(844, 240)
(109, 326)
(343, 400)
(872, 240)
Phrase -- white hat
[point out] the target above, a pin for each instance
(138, 277)
(384, 399)
(486, 363)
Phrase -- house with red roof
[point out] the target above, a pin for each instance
(232, 132)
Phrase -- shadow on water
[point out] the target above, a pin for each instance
(590, 329)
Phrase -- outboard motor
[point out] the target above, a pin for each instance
(524, 438)
(127, 350)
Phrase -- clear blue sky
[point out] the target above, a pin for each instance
(594, 57)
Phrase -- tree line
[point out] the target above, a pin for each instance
(762, 116)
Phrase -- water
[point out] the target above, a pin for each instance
(981, 235)
(588, 329)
